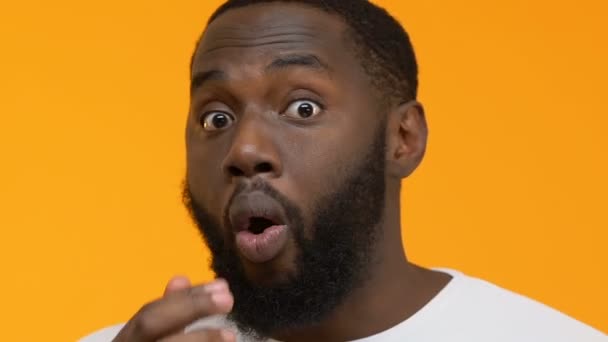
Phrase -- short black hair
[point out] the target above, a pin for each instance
(381, 43)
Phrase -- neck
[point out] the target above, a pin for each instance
(394, 290)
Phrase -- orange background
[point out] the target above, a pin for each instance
(93, 103)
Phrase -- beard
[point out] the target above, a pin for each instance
(328, 266)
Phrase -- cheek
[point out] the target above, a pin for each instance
(204, 176)
(317, 164)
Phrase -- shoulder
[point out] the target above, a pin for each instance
(489, 310)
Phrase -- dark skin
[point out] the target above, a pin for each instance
(258, 74)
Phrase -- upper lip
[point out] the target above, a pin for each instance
(256, 204)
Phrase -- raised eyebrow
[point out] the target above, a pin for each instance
(304, 60)
(199, 78)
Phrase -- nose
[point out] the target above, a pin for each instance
(253, 152)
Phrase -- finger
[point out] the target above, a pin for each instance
(177, 283)
(173, 313)
(207, 335)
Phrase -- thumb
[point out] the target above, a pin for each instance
(177, 283)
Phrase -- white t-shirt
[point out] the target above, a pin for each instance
(467, 309)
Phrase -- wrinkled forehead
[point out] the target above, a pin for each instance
(256, 33)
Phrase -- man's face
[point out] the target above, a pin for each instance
(285, 151)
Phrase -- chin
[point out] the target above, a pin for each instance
(275, 272)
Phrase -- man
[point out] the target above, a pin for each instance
(303, 122)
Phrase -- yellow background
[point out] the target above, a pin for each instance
(93, 101)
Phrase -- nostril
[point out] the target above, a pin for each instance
(263, 167)
(235, 171)
(259, 168)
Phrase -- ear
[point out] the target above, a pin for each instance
(406, 139)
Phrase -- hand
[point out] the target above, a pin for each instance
(164, 320)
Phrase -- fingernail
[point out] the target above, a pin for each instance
(227, 335)
(217, 285)
(222, 299)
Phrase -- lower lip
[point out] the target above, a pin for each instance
(259, 248)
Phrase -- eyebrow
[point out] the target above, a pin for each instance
(280, 63)
(201, 77)
(305, 60)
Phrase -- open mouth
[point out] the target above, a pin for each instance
(257, 225)
(255, 213)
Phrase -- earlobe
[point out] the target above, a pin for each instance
(406, 139)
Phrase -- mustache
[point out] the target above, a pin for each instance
(259, 185)
(243, 186)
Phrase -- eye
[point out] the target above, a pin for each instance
(303, 109)
(214, 121)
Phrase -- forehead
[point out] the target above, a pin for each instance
(255, 33)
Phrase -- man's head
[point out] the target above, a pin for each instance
(302, 123)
